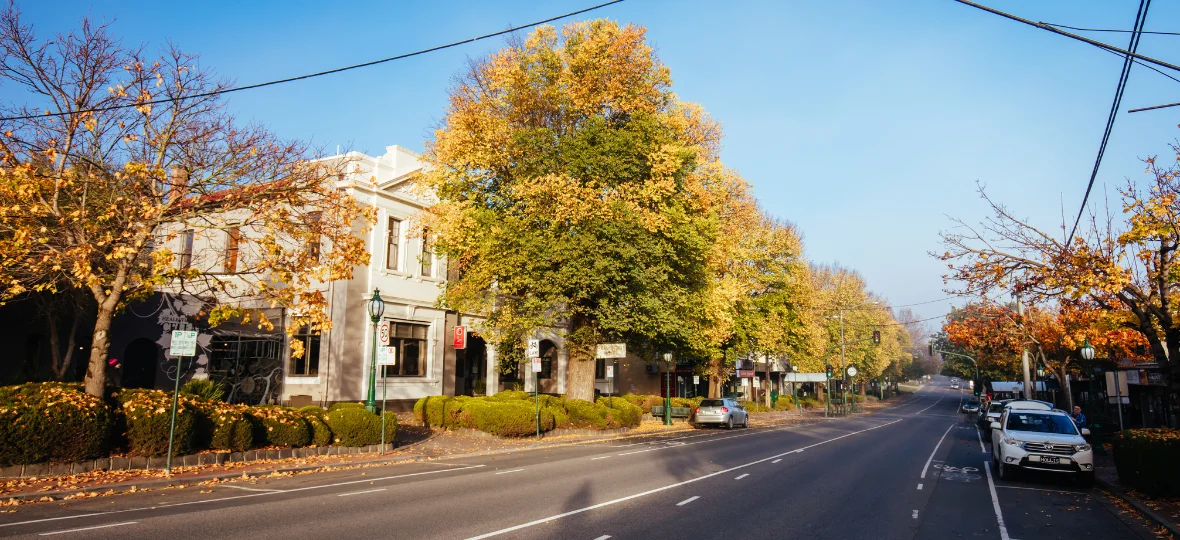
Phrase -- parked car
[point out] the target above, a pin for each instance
(1043, 440)
(954, 385)
(995, 408)
(970, 407)
(723, 412)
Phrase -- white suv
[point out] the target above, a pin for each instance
(1041, 440)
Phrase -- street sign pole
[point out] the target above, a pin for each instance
(384, 389)
(184, 343)
(172, 426)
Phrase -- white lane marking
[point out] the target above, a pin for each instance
(742, 476)
(235, 497)
(248, 489)
(603, 537)
(919, 486)
(931, 458)
(777, 460)
(688, 500)
(669, 486)
(660, 440)
(915, 514)
(360, 492)
(88, 528)
(982, 448)
(512, 471)
(991, 486)
(1042, 489)
(715, 439)
(928, 408)
(599, 457)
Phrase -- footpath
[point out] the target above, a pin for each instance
(1164, 512)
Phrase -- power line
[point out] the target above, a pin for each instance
(1110, 30)
(328, 72)
(1128, 61)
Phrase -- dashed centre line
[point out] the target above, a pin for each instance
(88, 528)
(361, 492)
(742, 476)
(777, 460)
(688, 500)
(919, 486)
(915, 514)
(512, 471)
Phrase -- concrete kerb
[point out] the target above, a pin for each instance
(1137, 505)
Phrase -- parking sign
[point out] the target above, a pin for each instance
(184, 343)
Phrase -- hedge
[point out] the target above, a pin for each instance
(148, 414)
(356, 426)
(221, 426)
(345, 405)
(1146, 460)
(506, 417)
(279, 426)
(321, 434)
(51, 422)
(626, 414)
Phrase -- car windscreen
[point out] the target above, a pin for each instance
(712, 403)
(996, 407)
(1040, 423)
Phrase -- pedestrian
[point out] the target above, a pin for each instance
(1079, 419)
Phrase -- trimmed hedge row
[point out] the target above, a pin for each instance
(514, 413)
(58, 422)
(1146, 460)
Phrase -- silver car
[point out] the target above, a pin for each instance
(724, 412)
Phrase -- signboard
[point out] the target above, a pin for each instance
(612, 350)
(610, 371)
(696, 379)
(184, 343)
(745, 373)
(386, 356)
(756, 381)
(536, 365)
(534, 349)
(1132, 376)
(460, 338)
(804, 377)
(1110, 388)
(383, 333)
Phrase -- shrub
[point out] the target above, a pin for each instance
(810, 403)
(345, 405)
(626, 414)
(584, 414)
(51, 422)
(148, 414)
(221, 426)
(511, 395)
(206, 389)
(1146, 460)
(644, 402)
(420, 409)
(506, 418)
(561, 418)
(390, 427)
(321, 434)
(278, 426)
(313, 410)
(353, 426)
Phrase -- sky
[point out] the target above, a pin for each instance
(868, 124)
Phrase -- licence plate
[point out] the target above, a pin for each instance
(1050, 459)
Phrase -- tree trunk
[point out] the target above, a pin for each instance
(819, 392)
(579, 370)
(61, 362)
(766, 384)
(96, 374)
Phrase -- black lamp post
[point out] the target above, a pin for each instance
(376, 307)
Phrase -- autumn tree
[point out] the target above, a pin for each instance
(842, 297)
(118, 159)
(576, 190)
(1126, 266)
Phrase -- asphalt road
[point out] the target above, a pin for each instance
(917, 470)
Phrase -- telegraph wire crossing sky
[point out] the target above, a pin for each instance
(864, 124)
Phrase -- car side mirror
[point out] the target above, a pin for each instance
(995, 425)
(1085, 432)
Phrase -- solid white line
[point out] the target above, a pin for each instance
(235, 497)
(931, 458)
(777, 460)
(919, 486)
(927, 408)
(603, 537)
(247, 489)
(512, 471)
(667, 487)
(991, 486)
(742, 476)
(89, 528)
(979, 435)
(688, 500)
(361, 492)
(744, 434)
(1040, 489)
(599, 457)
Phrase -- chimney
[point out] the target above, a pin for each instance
(177, 182)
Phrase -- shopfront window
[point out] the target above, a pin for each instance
(409, 341)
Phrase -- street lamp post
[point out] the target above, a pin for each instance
(376, 307)
(667, 389)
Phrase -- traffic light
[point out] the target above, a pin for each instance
(829, 370)
(877, 337)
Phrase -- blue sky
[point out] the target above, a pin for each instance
(863, 122)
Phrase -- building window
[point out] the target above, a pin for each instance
(309, 364)
(313, 246)
(185, 258)
(548, 357)
(409, 340)
(393, 236)
(233, 237)
(427, 255)
(600, 368)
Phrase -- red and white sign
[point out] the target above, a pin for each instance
(745, 373)
(460, 339)
(383, 332)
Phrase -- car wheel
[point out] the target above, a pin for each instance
(746, 422)
(1005, 472)
(987, 435)
(729, 423)
(1085, 479)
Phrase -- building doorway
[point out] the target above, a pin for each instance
(470, 365)
(141, 362)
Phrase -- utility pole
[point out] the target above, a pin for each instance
(843, 363)
(1024, 355)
